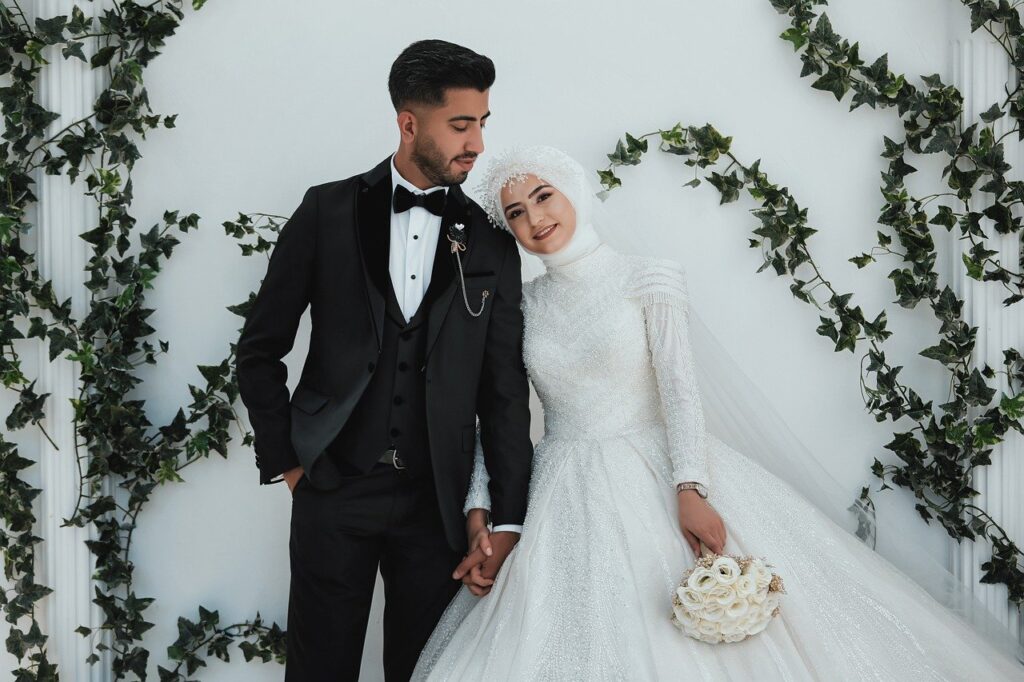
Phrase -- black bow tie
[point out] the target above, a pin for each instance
(403, 200)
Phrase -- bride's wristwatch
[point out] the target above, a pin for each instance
(693, 485)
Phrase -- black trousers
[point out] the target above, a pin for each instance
(338, 539)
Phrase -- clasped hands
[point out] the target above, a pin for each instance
(487, 552)
(698, 521)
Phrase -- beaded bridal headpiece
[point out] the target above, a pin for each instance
(547, 163)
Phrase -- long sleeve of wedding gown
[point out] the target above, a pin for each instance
(478, 496)
(660, 285)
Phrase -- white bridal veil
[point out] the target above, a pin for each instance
(738, 413)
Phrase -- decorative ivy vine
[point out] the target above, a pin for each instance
(940, 454)
(115, 440)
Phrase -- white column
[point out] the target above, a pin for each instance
(981, 70)
(68, 87)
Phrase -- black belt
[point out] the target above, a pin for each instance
(391, 457)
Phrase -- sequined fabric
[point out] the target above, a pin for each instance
(586, 593)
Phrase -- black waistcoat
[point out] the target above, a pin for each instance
(392, 413)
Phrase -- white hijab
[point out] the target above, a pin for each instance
(560, 170)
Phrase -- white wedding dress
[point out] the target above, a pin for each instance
(586, 593)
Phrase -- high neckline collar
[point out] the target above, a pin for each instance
(593, 263)
(583, 241)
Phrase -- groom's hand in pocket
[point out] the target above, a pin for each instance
(292, 476)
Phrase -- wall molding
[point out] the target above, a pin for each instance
(981, 70)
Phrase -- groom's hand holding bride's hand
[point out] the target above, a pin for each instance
(477, 530)
(479, 539)
(487, 552)
(699, 521)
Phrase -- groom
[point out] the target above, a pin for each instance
(376, 442)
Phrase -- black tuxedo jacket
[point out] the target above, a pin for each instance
(332, 255)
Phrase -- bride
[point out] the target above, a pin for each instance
(627, 481)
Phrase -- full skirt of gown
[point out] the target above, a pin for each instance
(586, 593)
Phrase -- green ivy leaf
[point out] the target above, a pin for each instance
(879, 69)
(993, 114)
(608, 179)
(944, 217)
(729, 185)
(796, 36)
(836, 81)
(1012, 407)
(103, 56)
(51, 30)
(974, 269)
(74, 49)
(823, 31)
(862, 260)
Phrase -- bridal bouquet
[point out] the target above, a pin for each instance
(725, 598)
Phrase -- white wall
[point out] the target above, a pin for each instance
(274, 97)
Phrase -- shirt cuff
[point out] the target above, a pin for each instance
(511, 527)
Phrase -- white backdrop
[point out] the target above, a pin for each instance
(274, 97)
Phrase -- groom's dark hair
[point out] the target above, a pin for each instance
(423, 71)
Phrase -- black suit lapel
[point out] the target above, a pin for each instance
(373, 235)
(444, 276)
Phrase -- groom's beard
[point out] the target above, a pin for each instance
(435, 166)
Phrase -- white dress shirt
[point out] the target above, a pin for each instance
(414, 235)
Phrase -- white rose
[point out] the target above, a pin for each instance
(685, 616)
(750, 619)
(702, 580)
(691, 598)
(713, 612)
(737, 609)
(745, 585)
(721, 594)
(726, 570)
(709, 629)
(733, 626)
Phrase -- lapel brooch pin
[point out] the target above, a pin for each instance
(457, 236)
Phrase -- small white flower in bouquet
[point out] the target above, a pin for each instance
(726, 598)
